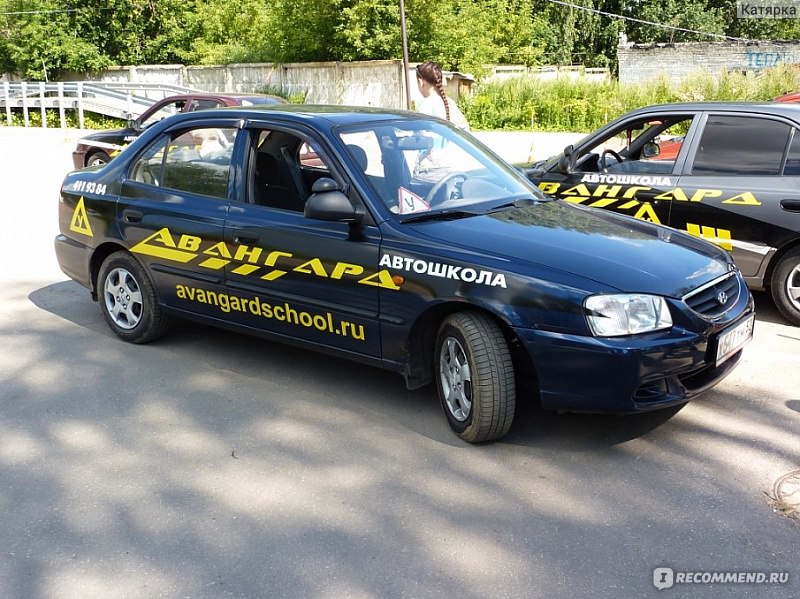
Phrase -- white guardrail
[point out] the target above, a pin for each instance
(116, 99)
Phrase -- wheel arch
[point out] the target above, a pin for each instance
(103, 251)
(787, 248)
(421, 344)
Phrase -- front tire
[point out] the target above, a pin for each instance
(475, 377)
(98, 158)
(128, 300)
(785, 286)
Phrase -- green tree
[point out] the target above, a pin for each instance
(698, 15)
(571, 35)
(598, 34)
(231, 32)
(302, 31)
(41, 42)
(368, 30)
(143, 31)
(756, 29)
(47, 38)
(467, 35)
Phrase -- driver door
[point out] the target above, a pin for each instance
(629, 168)
(296, 277)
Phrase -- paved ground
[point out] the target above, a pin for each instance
(214, 465)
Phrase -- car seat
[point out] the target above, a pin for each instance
(274, 186)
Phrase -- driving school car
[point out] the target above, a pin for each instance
(403, 243)
(727, 172)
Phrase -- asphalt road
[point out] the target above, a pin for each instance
(214, 465)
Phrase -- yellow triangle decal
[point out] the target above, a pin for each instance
(647, 213)
(80, 222)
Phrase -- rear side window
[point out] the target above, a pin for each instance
(206, 104)
(197, 161)
(740, 145)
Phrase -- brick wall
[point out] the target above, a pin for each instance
(640, 63)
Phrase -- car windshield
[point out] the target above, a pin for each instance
(426, 166)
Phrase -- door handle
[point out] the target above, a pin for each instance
(791, 205)
(244, 239)
(132, 216)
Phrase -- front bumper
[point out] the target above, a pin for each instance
(626, 375)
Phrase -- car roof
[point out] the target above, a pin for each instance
(230, 96)
(786, 109)
(333, 114)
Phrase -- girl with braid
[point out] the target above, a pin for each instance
(435, 101)
(441, 159)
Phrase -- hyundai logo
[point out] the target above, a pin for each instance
(722, 298)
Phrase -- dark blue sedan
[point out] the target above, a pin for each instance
(394, 239)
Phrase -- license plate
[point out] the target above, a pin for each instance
(731, 341)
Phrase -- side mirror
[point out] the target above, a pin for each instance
(324, 185)
(327, 202)
(651, 150)
(566, 161)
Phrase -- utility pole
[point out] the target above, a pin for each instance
(405, 52)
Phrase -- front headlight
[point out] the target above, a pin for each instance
(626, 314)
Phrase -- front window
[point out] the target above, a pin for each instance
(647, 146)
(162, 112)
(422, 166)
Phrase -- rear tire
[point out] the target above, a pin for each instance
(475, 377)
(785, 286)
(128, 300)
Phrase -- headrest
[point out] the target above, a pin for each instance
(359, 155)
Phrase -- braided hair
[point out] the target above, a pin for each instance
(432, 73)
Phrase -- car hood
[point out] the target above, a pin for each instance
(112, 136)
(613, 250)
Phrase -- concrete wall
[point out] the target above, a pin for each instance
(640, 63)
(369, 83)
(550, 73)
(372, 83)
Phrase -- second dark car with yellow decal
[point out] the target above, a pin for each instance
(401, 242)
(726, 172)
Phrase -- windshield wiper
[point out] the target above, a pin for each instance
(525, 202)
(444, 214)
(439, 215)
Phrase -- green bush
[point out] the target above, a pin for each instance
(582, 106)
(295, 98)
(91, 120)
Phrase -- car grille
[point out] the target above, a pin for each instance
(715, 298)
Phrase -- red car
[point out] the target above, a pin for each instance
(99, 148)
(791, 98)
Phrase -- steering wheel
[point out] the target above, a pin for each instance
(616, 156)
(448, 178)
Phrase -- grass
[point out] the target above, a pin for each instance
(578, 105)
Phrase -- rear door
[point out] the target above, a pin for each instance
(741, 187)
(174, 200)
